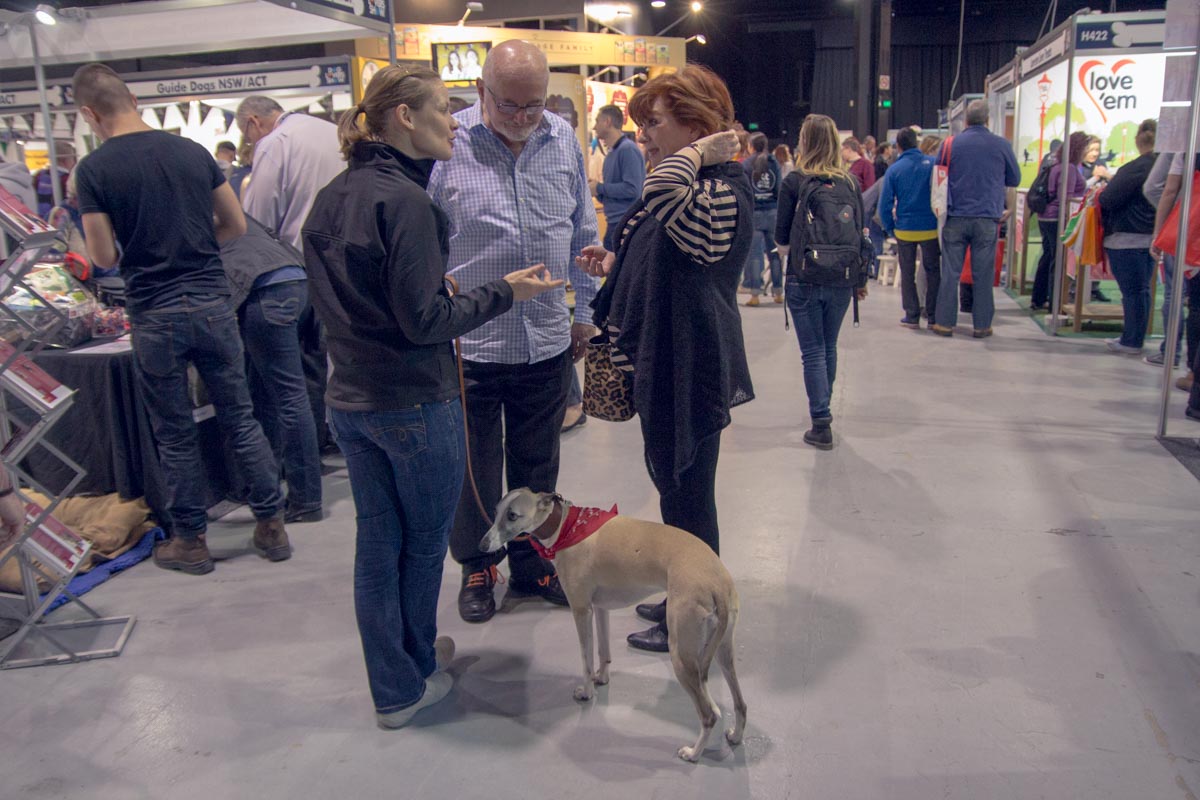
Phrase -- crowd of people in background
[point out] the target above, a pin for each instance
(311, 244)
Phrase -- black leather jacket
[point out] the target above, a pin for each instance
(376, 247)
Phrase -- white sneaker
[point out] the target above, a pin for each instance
(443, 648)
(1116, 346)
(437, 686)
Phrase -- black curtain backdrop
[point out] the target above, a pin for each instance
(833, 84)
(922, 76)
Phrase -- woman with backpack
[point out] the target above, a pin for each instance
(827, 260)
(1048, 217)
(764, 174)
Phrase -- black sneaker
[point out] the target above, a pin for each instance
(476, 603)
(546, 587)
(910, 322)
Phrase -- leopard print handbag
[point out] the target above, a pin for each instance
(607, 389)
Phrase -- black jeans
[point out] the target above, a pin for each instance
(1045, 267)
(693, 505)
(514, 414)
(931, 262)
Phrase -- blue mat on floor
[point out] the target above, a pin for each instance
(82, 584)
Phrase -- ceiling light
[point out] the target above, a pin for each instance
(699, 37)
(658, 3)
(697, 6)
(45, 14)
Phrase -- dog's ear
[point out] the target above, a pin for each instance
(546, 502)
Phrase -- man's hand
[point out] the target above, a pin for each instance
(592, 185)
(580, 333)
(595, 261)
(861, 292)
(12, 519)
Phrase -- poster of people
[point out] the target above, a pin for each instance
(1111, 95)
(459, 63)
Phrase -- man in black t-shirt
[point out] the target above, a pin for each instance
(148, 200)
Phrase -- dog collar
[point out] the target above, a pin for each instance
(578, 524)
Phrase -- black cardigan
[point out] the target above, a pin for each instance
(680, 326)
(1123, 207)
(376, 249)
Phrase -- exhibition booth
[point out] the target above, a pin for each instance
(1097, 73)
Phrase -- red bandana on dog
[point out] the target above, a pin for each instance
(579, 524)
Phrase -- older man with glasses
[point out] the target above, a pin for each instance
(517, 195)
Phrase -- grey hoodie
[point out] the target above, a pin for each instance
(15, 178)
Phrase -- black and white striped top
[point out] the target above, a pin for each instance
(700, 217)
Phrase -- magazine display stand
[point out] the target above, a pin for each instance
(46, 549)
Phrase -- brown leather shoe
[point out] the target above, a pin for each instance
(942, 330)
(188, 555)
(271, 540)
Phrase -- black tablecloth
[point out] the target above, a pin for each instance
(107, 430)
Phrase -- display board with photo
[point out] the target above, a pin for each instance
(459, 63)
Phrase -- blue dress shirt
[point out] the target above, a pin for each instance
(508, 213)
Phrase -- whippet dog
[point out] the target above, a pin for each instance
(622, 562)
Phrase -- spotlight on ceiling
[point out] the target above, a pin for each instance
(658, 3)
(476, 7)
(699, 37)
(697, 6)
(46, 14)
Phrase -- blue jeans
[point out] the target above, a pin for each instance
(1168, 289)
(406, 473)
(1133, 270)
(979, 234)
(203, 330)
(817, 313)
(269, 320)
(877, 240)
(763, 244)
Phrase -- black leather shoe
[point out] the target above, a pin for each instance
(476, 603)
(652, 612)
(654, 639)
(546, 587)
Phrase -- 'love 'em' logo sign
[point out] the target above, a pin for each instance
(1108, 91)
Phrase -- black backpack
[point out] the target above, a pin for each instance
(1038, 198)
(827, 245)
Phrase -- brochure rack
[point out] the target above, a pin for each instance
(46, 549)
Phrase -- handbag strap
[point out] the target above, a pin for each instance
(944, 158)
(602, 304)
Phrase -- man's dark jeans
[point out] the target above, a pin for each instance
(515, 413)
(931, 263)
(980, 235)
(269, 320)
(203, 330)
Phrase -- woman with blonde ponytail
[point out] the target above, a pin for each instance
(820, 228)
(376, 249)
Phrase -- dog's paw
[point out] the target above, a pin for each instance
(733, 736)
(691, 754)
(583, 694)
(601, 677)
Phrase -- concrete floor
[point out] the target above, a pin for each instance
(988, 590)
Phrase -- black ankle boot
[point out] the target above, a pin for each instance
(821, 435)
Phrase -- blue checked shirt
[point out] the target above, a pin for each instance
(509, 213)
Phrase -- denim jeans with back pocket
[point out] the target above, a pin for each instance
(406, 473)
(202, 330)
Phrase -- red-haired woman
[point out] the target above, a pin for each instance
(671, 298)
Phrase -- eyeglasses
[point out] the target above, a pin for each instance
(510, 109)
